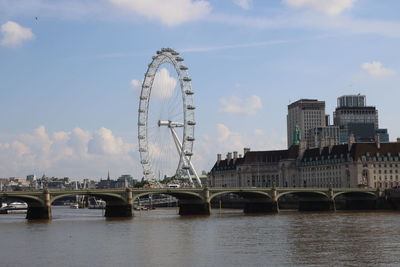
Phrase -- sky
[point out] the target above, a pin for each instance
(70, 74)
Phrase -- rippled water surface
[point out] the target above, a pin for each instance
(162, 238)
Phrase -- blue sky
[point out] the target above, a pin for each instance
(68, 107)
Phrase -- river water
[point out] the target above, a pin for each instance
(162, 238)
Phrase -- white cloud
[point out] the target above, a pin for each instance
(14, 34)
(258, 132)
(105, 143)
(76, 153)
(78, 141)
(163, 85)
(228, 137)
(171, 13)
(313, 21)
(245, 4)
(136, 85)
(98, 10)
(330, 7)
(376, 69)
(240, 105)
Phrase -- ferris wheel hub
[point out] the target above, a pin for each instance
(170, 124)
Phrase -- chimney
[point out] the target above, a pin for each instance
(229, 156)
(331, 144)
(398, 139)
(235, 155)
(321, 144)
(378, 141)
(352, 140)
(218, 159)
(245, 150)
(302, 148)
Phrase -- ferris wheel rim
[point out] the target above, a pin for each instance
(170, 56)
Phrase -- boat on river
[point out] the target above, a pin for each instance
(96, 203)
(74, 206)
(14, 207)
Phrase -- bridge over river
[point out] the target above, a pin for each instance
(194, 201)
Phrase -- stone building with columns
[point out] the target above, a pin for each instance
(255, 169)
(369, 165)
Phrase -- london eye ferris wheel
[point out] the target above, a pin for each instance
(166, 119)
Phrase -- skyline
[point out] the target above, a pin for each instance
(70, 74)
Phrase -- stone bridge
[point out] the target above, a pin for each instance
(191, 201)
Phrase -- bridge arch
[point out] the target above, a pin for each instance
(360, 193)
(356, 200)
(244, 194)
(105, 196)
(179, 195)
(26, 198)
(252, 201)
(300, 192)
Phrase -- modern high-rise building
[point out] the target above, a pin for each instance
(352, 101)
(303, 115)
(353, 116)
(323, 136)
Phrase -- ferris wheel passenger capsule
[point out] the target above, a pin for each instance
(189, 92)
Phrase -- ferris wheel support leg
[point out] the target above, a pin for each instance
(179, 148)
(194, 171)
(180, 151)
(190, 178)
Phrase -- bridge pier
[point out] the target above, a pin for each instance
(194, 207)
(316, 205)
(39, 211)
(115, 209)
(261, 207)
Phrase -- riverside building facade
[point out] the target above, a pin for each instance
(366, 165)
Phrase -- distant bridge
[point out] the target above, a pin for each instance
(191, 201)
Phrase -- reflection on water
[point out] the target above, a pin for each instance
(161, 238)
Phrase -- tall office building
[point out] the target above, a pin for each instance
(353, 116)
(304, 114)
(323, 136)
